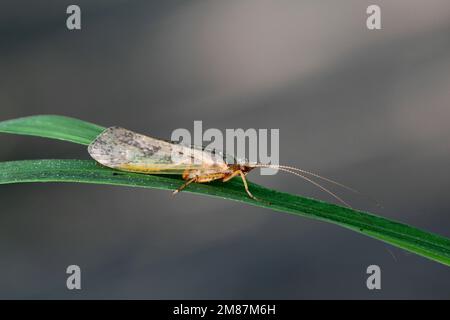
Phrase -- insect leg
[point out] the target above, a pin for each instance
(244, 180)
(184, 185)
(231, 176)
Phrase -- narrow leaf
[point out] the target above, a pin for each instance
(55, 127)
(423, 243)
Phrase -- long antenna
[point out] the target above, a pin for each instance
(296, 171)
(257, 165)
(313, 182)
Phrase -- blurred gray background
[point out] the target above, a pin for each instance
(368, 108)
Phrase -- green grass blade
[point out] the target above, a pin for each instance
(423, 243)
(88, 171)
(55, 127)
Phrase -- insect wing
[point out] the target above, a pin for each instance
(126, 150)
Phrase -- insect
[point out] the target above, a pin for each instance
(125, 150)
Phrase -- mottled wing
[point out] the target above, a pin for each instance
(126, 150)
